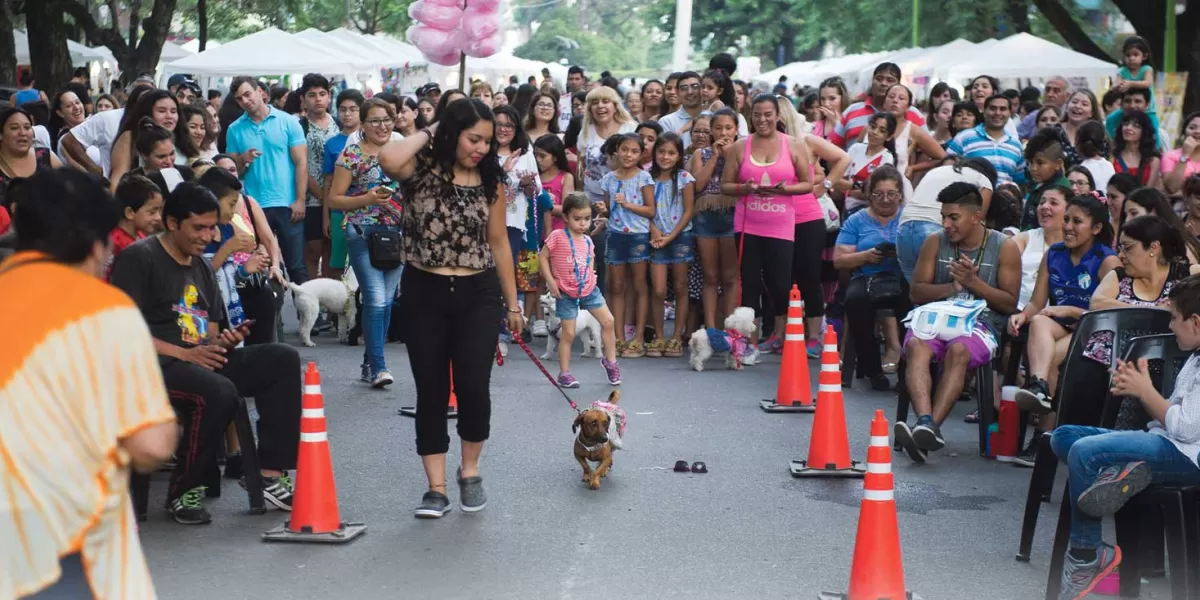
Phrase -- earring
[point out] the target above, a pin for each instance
(1151, 255)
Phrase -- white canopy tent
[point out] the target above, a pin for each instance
(324, 40)
(268, 52)
(387, 52)
(172, 52)
(792, 71)
(80, 54)
(1024, 55)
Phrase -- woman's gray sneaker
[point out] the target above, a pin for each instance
(433, 505)
(470, 493)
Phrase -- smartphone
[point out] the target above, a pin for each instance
(246, 324)
(886, 248)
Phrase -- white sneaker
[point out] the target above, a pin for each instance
(382, 379)
(539, 329)
(503, 349)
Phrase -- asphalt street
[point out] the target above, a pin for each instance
(746, 529)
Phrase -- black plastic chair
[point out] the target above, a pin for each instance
(984, 391)
(1157, 512)
(1081, 381)
(139, 483)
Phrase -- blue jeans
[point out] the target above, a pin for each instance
(291, 241)
(909, 238)
(378, 291)
(1086, 450)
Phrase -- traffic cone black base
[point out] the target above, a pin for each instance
(771, 407)
(411, 411)
(801, 468)
(346, 532)
(836, 596)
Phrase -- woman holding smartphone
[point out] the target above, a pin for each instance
(371, 204)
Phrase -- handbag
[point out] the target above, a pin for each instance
(885, 286)
(383, 248)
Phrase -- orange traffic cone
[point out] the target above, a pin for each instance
(451, 411)
(877, 572)
(829, 444)
(794, 393)
(315, 515)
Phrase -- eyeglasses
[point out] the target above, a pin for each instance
(1126, 247)
(379, 122)
(545, 105)
(694, 87)
(505, 126)
(890, 195)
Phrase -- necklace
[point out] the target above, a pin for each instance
(978, 251)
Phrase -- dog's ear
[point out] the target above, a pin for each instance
(614, 396)
(578, 423)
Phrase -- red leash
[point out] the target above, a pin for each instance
(542, 368)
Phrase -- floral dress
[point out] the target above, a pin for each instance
(1100, 345)
(366, 175)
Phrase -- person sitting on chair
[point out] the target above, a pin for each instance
(965, 261)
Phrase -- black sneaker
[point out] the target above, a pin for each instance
(880, 383)
(187, 509)
(470, 493)
(1035, 397)
(904, 437)
(278, 491)
(928, 436)
(1028, 457)
(433, 506)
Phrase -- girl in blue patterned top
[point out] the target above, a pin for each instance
(629, 191)
(671, 240)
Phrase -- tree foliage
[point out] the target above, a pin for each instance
(609, 35)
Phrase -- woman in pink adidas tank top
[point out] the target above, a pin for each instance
(766, 172)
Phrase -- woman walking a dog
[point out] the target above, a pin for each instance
(455, 243)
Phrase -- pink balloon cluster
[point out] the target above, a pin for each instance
(444, 30)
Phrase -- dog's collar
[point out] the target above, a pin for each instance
(579, 440)
(734, 336)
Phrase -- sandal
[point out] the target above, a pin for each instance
(655, 348)
(620, 347)
(674, 348)
(634, 349)
(972, 417)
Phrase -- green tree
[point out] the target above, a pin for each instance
(611, 35)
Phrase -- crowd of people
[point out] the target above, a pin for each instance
(670, 200)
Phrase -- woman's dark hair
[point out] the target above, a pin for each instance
(448, 97)
(292, 105)
(885, 173)
(520, 141)
(523, 101)
(661, 102)
(1097, 211)
(979, 164)
(575, 201)
(457, 117)
(187, 199)
(888, 144)
(135, 190)
(276, 92)
(419, 120)
(56, 125)
(220, 182)
(1086, 173)
(964, 106)
(1125, 183)
(131, 121)
(938, 89)
(1191, 186)
(727, 112)
(906, 90)
(574, 128)
(1147, 146)
(1183, 125)
(26, 77)
(766, 98)
(229, 112)
(186, 112)
(728, 97)
(581, 96)
(419, 103)
(510, 92)
(111, 100)
(1147, 229)
(552, 126)
(673, 138)
(1004, 211)
(651, 125)
(11, 111)
(1156, 203)
(148, 135)
(995, 83)
(552, 145)
(388, 97)
(613, 143)
(63, 213)
(1091, 141)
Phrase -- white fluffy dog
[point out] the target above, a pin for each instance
(335, 296)
(587, 331)
(733, 342)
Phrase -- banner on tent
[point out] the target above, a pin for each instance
(1168, 94)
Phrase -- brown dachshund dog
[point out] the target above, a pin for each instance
(594, 442)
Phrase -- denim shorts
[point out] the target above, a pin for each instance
(627, 248)
(713, 223)
(679, 251)
(567, 308)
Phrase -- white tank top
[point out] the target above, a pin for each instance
(1031, 261)
(902, 142)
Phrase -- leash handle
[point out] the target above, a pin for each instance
(542, 368)
(499, 357)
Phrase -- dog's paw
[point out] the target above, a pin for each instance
(310, 343)
(594, 483)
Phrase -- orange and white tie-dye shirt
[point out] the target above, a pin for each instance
(78, 373)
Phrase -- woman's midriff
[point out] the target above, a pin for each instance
(447, 271)
(767, 216)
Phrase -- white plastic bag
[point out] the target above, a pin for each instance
(945, 320)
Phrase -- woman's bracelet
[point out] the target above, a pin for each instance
(516, 311)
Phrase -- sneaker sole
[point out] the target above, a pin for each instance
(472, 509)
(1100, 575)
(904, 437)
(571, 386)
(277, 503)
(195, 522)
(1029, 402)
(1104, 499)
(425, 513)
(927, 440)
(1024, 463)
(381, 384)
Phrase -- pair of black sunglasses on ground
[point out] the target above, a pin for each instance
(681, 466)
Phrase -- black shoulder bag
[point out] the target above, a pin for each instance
(383, 248)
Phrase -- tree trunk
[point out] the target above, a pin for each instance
(788, 42)
(48, 53)
(1187, 58)
(1018, 15)
(202, 22)
(1076, 38)
(8, 48)
(132, 60)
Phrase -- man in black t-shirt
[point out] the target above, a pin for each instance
(204, 370)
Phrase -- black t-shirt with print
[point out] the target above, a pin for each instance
(180, 303)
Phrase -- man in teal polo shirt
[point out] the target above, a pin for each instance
(268, 145)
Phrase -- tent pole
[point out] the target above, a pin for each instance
(462, 65)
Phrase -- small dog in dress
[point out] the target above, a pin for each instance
(733, 342)
(599, 429)
(335, 296)
(587, 331)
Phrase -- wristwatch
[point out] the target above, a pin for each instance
(828, 184)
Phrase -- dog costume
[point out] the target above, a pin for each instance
(616, 423)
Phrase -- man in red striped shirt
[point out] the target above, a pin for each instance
(856, 116)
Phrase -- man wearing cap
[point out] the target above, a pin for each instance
(858, 114)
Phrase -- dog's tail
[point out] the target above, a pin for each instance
(295, 287)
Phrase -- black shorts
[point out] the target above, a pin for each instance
(314, 227)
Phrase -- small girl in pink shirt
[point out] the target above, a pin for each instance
(568, 266)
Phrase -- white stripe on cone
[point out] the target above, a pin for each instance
(312, 389)
(829, 387)
(796, 303)
(830, 348)
(312, 413)
(827, 367)
(793, 337)
(320, 436)
(879, 467)
(795, 321)
(879, 440)
(879, 495)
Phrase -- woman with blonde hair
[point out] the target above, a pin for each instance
(482, 90)
(603, 117)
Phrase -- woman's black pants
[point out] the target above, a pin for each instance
(860, 315)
